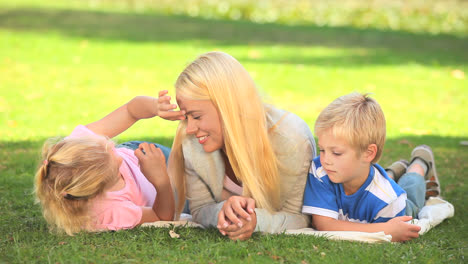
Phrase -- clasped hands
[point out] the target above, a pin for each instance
(237, 218)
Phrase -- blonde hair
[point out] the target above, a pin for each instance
(356, 118)
(218, 77)
(73, 171)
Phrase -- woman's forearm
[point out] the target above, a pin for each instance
(279, 221)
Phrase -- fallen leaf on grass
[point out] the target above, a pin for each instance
(173, 234)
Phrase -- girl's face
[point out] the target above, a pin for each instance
(203, 121)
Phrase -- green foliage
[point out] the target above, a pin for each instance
(434, 16)
(423, 16)
(64, 63)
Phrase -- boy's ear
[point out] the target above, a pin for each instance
(370, 153)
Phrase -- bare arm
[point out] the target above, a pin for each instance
(122, 118)
(397, 227)
(153, 166)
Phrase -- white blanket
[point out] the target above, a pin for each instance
(184, 220)
(432, 214)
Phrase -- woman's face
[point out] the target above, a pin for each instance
(203, 122)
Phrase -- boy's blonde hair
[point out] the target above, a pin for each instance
(73, 171)
(220, 78)
(356, 118)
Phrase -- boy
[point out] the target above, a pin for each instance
(346, 190)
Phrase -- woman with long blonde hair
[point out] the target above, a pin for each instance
(240, 163)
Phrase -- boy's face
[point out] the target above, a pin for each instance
(342, 163)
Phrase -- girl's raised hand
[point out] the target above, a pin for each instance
(166, 109)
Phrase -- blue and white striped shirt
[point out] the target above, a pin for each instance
(379, 199)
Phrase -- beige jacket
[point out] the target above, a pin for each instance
(294, 146)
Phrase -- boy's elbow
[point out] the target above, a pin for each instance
(319, 227)
(321, 223)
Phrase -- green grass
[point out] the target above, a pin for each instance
(63, 65)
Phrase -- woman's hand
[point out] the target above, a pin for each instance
(401, 230)
(166, 109)
(234, 208)
(152, 164)
(234, 232)
(237, 218)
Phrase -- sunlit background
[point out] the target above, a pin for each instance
(70, 62)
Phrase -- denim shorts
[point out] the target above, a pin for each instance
(134, 145)
(415, 188)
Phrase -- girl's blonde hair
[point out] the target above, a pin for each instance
(220, 78)
(73, 172)
(356, 118)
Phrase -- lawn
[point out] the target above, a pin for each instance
(67, 63)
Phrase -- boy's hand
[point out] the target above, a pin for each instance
(166, 109)
(400, 230)
(152, 164)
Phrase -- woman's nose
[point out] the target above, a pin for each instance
(191, 127)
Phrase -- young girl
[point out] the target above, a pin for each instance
(85, 183)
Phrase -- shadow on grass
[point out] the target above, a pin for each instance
(383, 47)
(19, 160)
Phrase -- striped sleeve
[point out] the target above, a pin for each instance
(319, 195)
(393, 209)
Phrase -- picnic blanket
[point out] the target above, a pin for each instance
(184, 220)
(433, 213)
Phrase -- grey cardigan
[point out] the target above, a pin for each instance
(294, 146)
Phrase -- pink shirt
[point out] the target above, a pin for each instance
(230, 188)
(121, 209)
